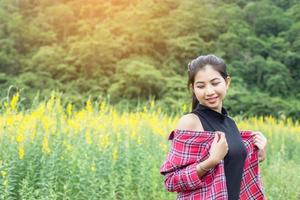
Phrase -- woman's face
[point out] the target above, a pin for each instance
(210, 88)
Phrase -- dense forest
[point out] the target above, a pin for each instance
(133, 50)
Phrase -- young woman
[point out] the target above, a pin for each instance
(210, 158)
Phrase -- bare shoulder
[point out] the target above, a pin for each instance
(189, 122)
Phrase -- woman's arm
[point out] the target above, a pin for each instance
(205, 165)
(188, 178)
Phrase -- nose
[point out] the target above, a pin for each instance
(209, 91)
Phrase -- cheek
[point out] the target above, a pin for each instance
(222, 90)
(198, 92)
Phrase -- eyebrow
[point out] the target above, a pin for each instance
(210, 80)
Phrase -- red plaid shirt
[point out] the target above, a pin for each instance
(188, 148)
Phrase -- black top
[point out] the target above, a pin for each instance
(234, 160)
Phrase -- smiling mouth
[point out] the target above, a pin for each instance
(212, 99)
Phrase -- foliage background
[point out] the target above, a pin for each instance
(128, 51)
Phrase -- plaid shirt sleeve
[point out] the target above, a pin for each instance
(185, 179)
(187, 149)
(251, 184)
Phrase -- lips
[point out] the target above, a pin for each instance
(212, 100)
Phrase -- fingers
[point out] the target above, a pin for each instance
(222, 136)
(259, 140)
(257, 134)
(262, 143)
(216, 138)
(259, 145)
(254, 133)
(223, 140)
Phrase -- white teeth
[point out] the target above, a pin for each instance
(212, 98)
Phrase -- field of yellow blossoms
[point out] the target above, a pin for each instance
(56, 152)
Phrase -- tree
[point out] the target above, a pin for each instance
(257, 46)
(136, 79)
(278, 79)
(272, 25)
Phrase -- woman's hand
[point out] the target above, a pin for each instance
(219, 148)
(261, 142)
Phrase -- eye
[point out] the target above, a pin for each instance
(200, 87)
(217, 83)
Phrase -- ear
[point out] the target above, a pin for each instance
(228, 81)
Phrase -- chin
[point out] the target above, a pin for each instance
(210, 106)
(213, 106)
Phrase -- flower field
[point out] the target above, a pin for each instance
(57, 152)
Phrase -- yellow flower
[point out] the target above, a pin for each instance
(93, 167)
(46, 123)
(145, 109)
(51, 102)
(67, 145)
(69, 109)
(6, 105)
(39, 112)
(14, 101)
(20, 138)
(184, 108)
(152, 104)
(3, 173)
(164, 147)
(9, 120)
(45, 146)
(133, 134)
(115, 154)
(104, 141)
(21, 152)
(89, 106)
(102, 107)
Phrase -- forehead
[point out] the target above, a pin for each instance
(207, 74)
